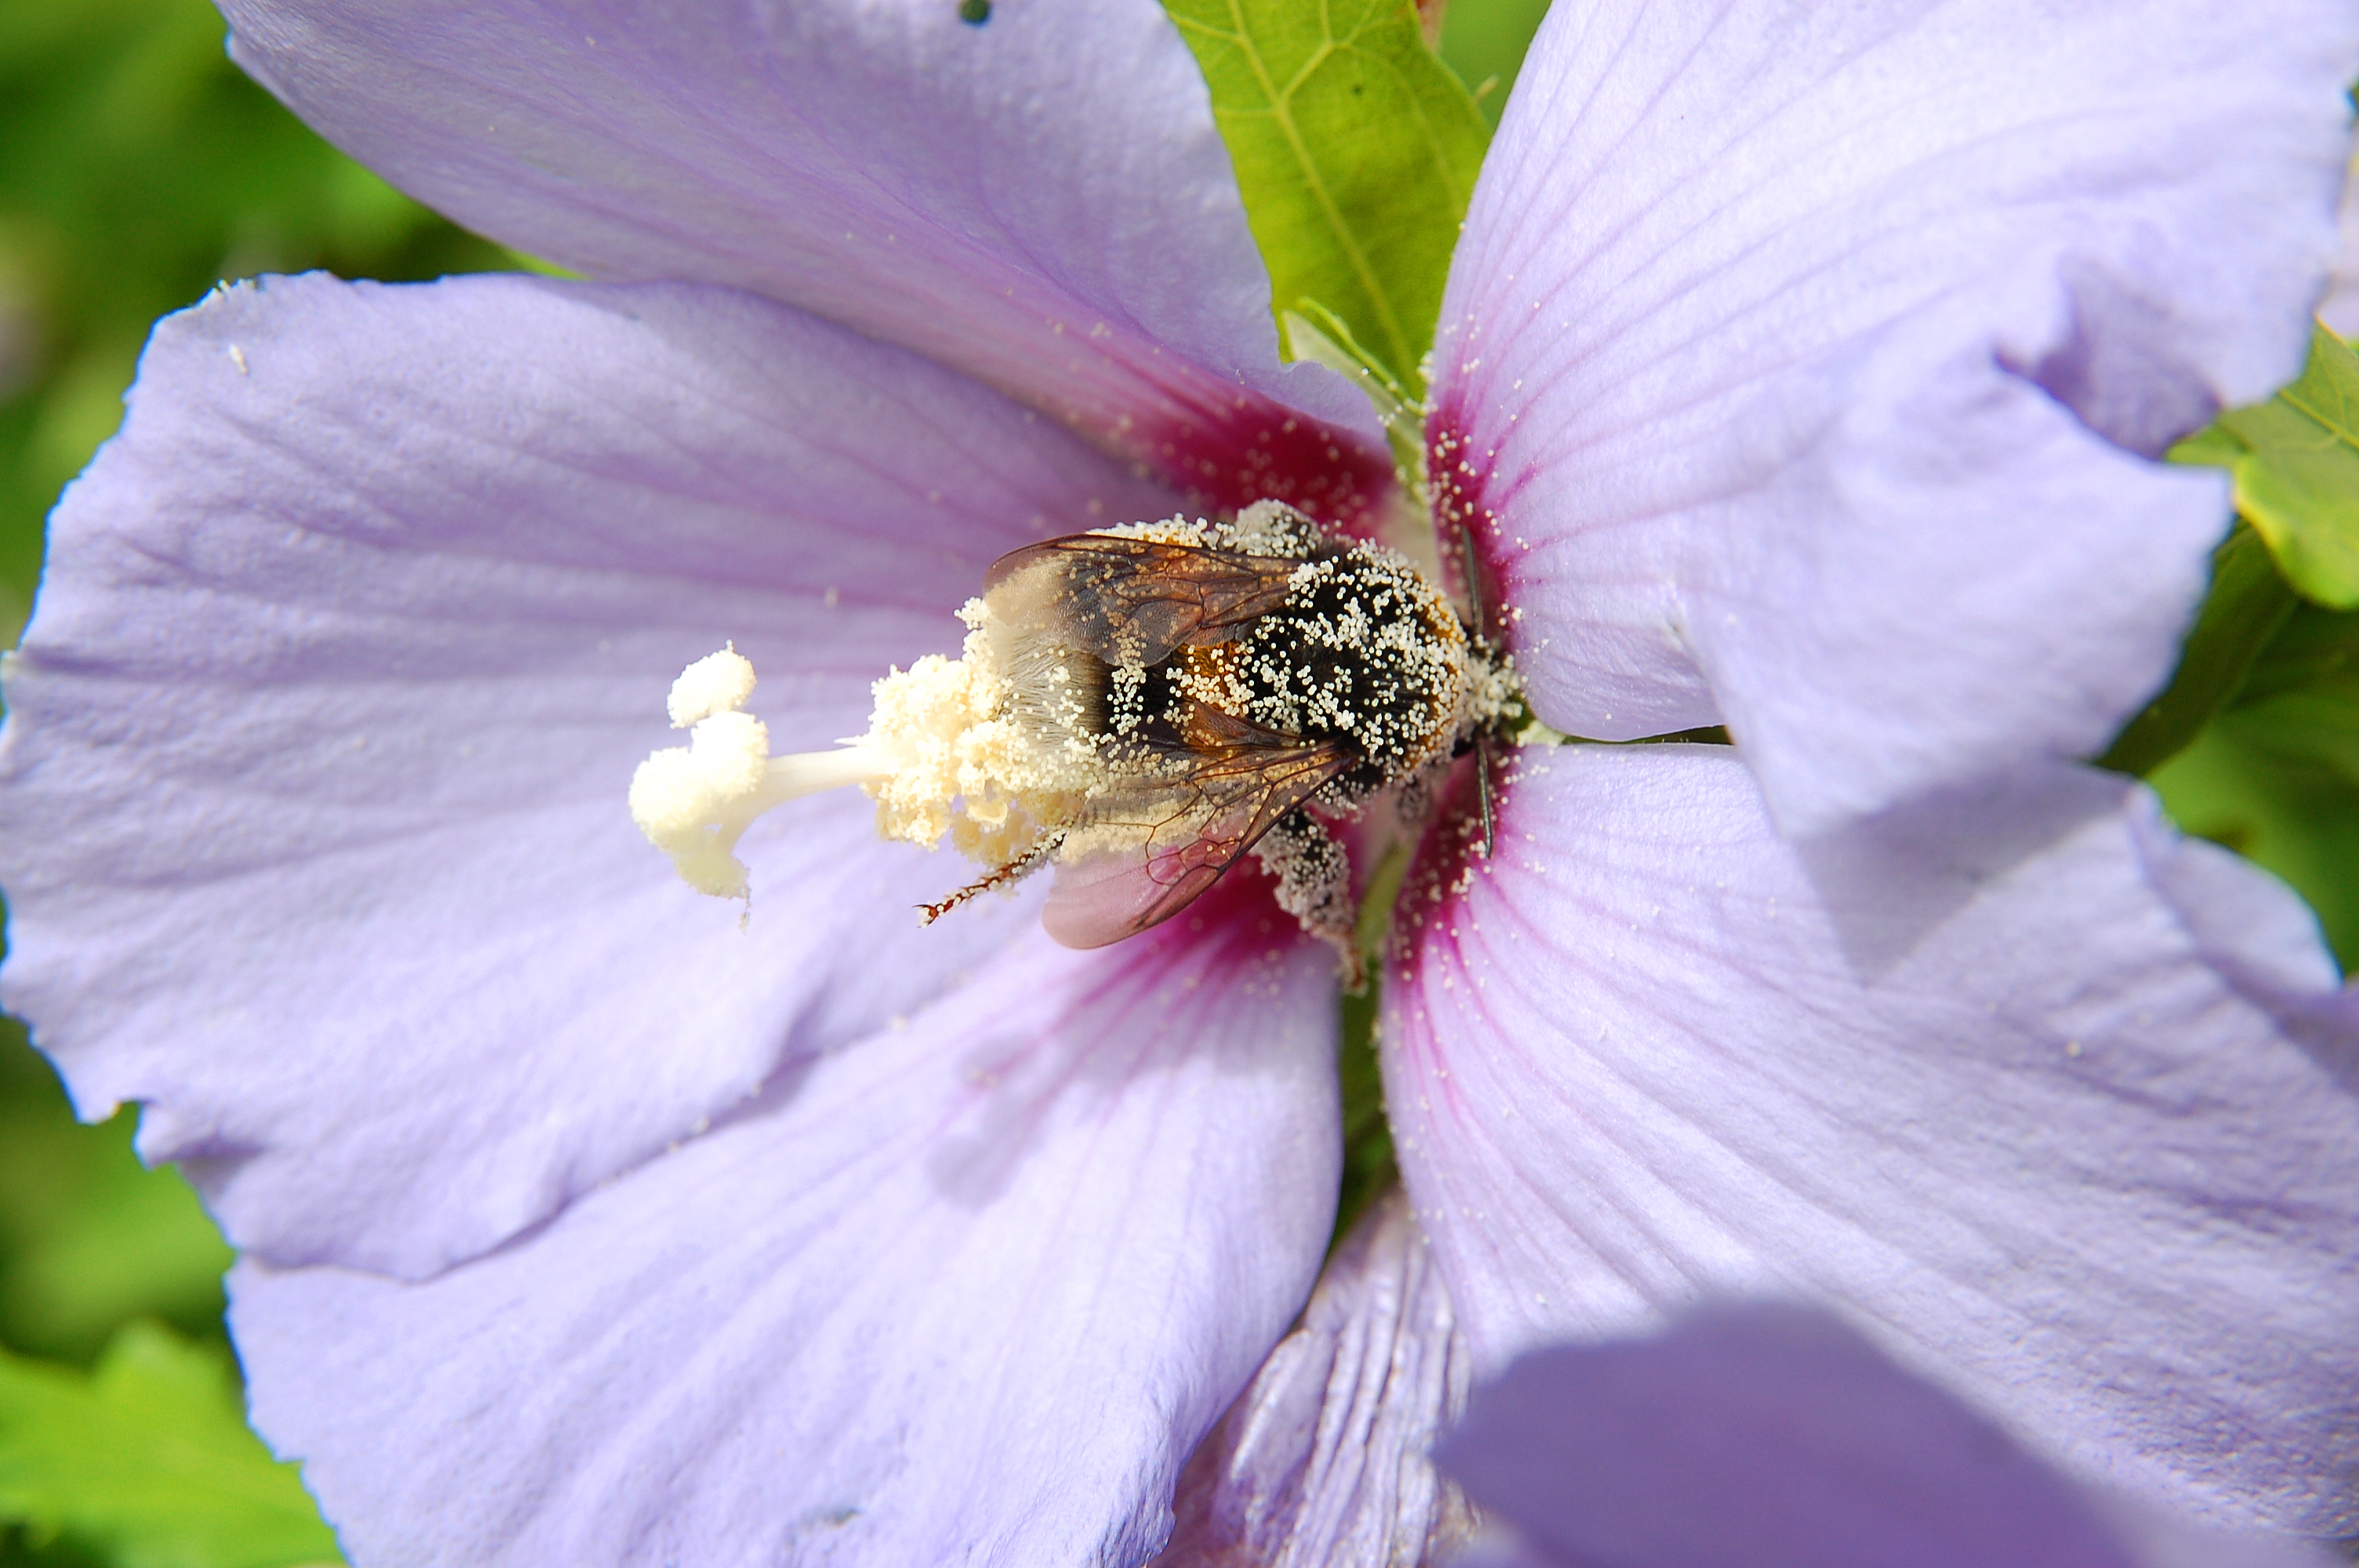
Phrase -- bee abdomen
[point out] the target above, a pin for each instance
(1364, 653)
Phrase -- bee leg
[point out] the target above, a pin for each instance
(1486, 791)
(1314, 881)
(1474, 569)
(1008, 875)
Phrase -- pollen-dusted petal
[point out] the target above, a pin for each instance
(714, 684)
(969, 1290)
(1040, 199)
(312, 816)
(1802, 364)
(2067, 1147)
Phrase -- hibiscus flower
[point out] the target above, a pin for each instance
(1801, 370)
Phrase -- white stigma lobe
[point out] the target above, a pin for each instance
(694, 801)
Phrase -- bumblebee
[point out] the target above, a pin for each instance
(1237, 687)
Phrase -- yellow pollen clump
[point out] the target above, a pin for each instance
(929, 716)
(966, 759)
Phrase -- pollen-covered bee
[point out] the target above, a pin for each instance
(1233, 686)
(1141, 706)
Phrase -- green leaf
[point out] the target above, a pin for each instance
(1317, 334)
(88, 1237)
(2276, 776)
(2248, 602)
(147, 1463)
(2296, 463)
(1356, 150)
(1369, 1169)
(1485, 42)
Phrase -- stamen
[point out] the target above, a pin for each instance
(942, 757)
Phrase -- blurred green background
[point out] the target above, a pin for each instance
(137, 166)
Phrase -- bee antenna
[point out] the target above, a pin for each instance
(1473, 579)
(1481, 741)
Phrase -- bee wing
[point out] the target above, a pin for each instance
(1130, 600)
(1114, 893)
